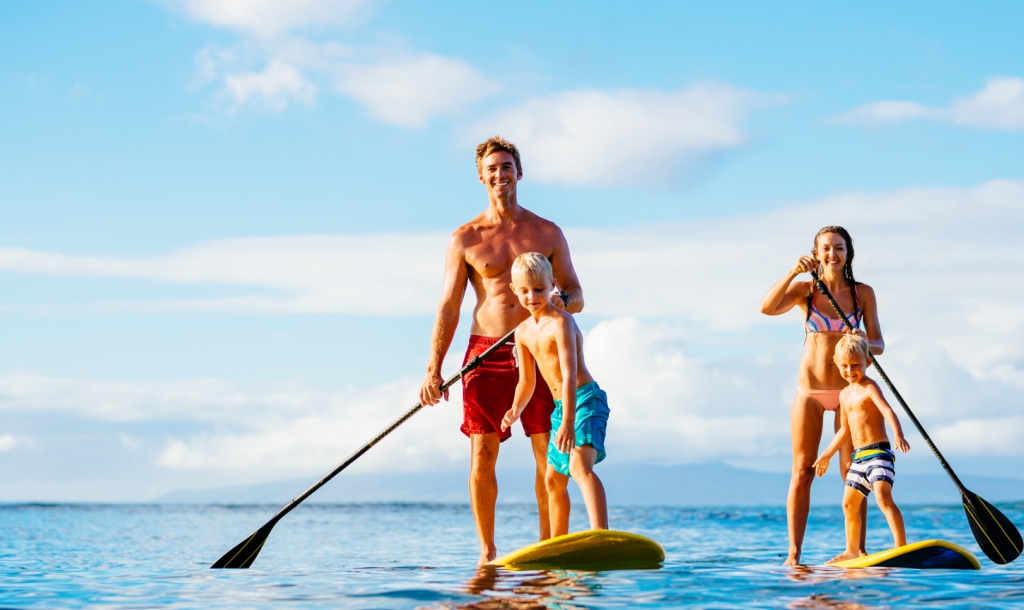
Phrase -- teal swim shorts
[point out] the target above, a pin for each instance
(591, 423)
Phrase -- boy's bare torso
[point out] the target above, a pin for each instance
(489, 249)
(866, 422)
(540, 338)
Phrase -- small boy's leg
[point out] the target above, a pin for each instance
(581, 465)
(883, 495)
(558, 501)
(853, 502)
(540, 457)
(845, 461)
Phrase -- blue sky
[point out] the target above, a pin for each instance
(223, 222)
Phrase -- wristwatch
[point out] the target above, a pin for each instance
(565, 297)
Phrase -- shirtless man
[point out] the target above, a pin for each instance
(481, 253)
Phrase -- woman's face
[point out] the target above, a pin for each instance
(831, 252)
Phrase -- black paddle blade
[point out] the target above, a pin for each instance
(996, 535)
(245, 552)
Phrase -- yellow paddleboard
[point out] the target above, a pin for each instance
(589, 550)
(920, 555)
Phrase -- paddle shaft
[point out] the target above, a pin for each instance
(472, 364)
(878, 367)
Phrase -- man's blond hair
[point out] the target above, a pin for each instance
(493, 145)
(534, 265)
(853, 344)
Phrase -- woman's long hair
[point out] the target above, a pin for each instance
(847, 268)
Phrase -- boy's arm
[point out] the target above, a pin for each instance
(900, 442)
(821, 464)
(565, 342)
(525, 386)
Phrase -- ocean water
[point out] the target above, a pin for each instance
(422, 556)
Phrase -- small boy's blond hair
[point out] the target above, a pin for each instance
(534, 265)
(853, 344)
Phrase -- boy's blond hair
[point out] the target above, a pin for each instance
(534, 266)
(853, 344)
(497, 144)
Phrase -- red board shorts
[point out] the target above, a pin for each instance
(489, 389)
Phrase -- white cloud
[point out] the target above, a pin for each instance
(310, 273)
(410, 91)
(275, 87)
(999, 105)
(945, 264)
(626, 136)
(7, 442)
(269, 18)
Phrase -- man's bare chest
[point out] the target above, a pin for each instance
(493, 256)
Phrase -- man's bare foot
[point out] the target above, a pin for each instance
(793, 559)
(487, 556)
(845, 556)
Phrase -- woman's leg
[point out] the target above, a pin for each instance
(845, 460)
(805, 420)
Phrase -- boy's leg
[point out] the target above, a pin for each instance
(540, 457)
(883, 495)
(558, 500)
(805, 422)
(845, 460)
(853, 502)
(483, 490)
(581, 465)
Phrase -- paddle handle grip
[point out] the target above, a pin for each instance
(913, 418)
(472, 364)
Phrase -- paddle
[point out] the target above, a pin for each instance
(996, 535)
(245, 552)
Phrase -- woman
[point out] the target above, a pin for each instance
(818, 379)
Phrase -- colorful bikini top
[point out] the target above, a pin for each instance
(819, 323)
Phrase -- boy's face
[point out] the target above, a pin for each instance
(533, 293)
(851, 366)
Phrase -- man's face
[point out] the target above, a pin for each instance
(499, 174)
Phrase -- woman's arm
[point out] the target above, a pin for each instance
(872, 328)
(784, 294)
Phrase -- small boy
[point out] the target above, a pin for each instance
(550, 337)
(864, 411)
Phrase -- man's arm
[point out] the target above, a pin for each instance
(454, 289)
(565, 275)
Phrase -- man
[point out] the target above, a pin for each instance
(481, 253)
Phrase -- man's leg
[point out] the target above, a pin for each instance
(581, 465)
(558, 500)
(540, 457)
(483, 490)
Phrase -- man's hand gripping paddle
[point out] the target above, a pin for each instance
(245, 552)
(996, 535)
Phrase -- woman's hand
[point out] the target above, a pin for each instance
(805, 264)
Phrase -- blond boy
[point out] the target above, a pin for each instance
(864, 412)
(551, 338)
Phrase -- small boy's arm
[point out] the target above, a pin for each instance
(889, 414)
(821, 464)
(524, 387)
(565, 341)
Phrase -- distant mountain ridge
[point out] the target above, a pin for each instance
(712, 484)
